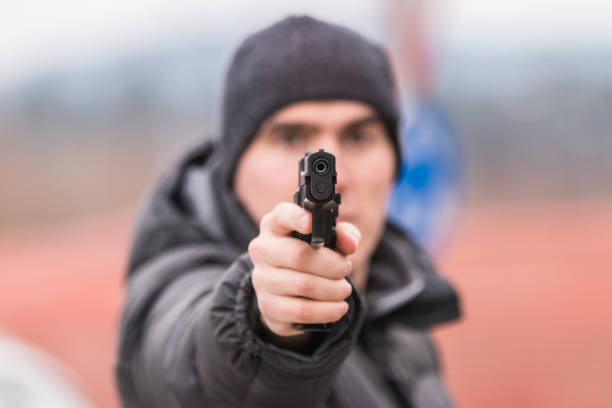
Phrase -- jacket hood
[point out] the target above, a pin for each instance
(191, 204)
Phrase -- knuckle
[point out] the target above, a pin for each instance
(345, 267)
(339, 311)
(265, 221)
(254, 248)
(333, 314)
(264, 305)
(275, 215)
(339, 290)
(278, 211)
(341, 270)
(257, 279)
(299, 254)
(279, 208)
(303, 286)
(302, 312)
(335, 264)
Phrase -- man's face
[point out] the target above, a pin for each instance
(365, 162)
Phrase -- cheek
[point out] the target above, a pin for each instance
(261, 182)
(372, 184)
(375, 195)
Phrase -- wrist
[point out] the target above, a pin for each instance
(303, 343)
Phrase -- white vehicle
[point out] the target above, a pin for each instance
(29, 378)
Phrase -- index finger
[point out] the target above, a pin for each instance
(285, 218)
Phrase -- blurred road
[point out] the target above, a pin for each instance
(535, 282)
(65, 293)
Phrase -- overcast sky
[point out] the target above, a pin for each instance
(38, 35)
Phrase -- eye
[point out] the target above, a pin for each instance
(291, 138)
(358, 136)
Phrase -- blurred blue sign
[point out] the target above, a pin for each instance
(426, 197)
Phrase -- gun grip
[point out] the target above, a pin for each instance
(319, 224)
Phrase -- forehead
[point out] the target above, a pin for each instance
(322, 112)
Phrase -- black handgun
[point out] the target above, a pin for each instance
(317, 194)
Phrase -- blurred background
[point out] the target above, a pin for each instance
(507, 180)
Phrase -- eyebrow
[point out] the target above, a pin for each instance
(290, 127)
(283, 127)
(367, 120)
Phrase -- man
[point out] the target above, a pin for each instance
(216, 279)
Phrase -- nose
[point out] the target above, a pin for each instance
(328, 142)
(344, 175)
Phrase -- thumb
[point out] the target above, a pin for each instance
(347, 238)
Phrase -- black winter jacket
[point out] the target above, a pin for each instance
(191, 336)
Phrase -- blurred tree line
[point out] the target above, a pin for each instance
(77, 142)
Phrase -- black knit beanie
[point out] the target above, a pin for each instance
(299, 59)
